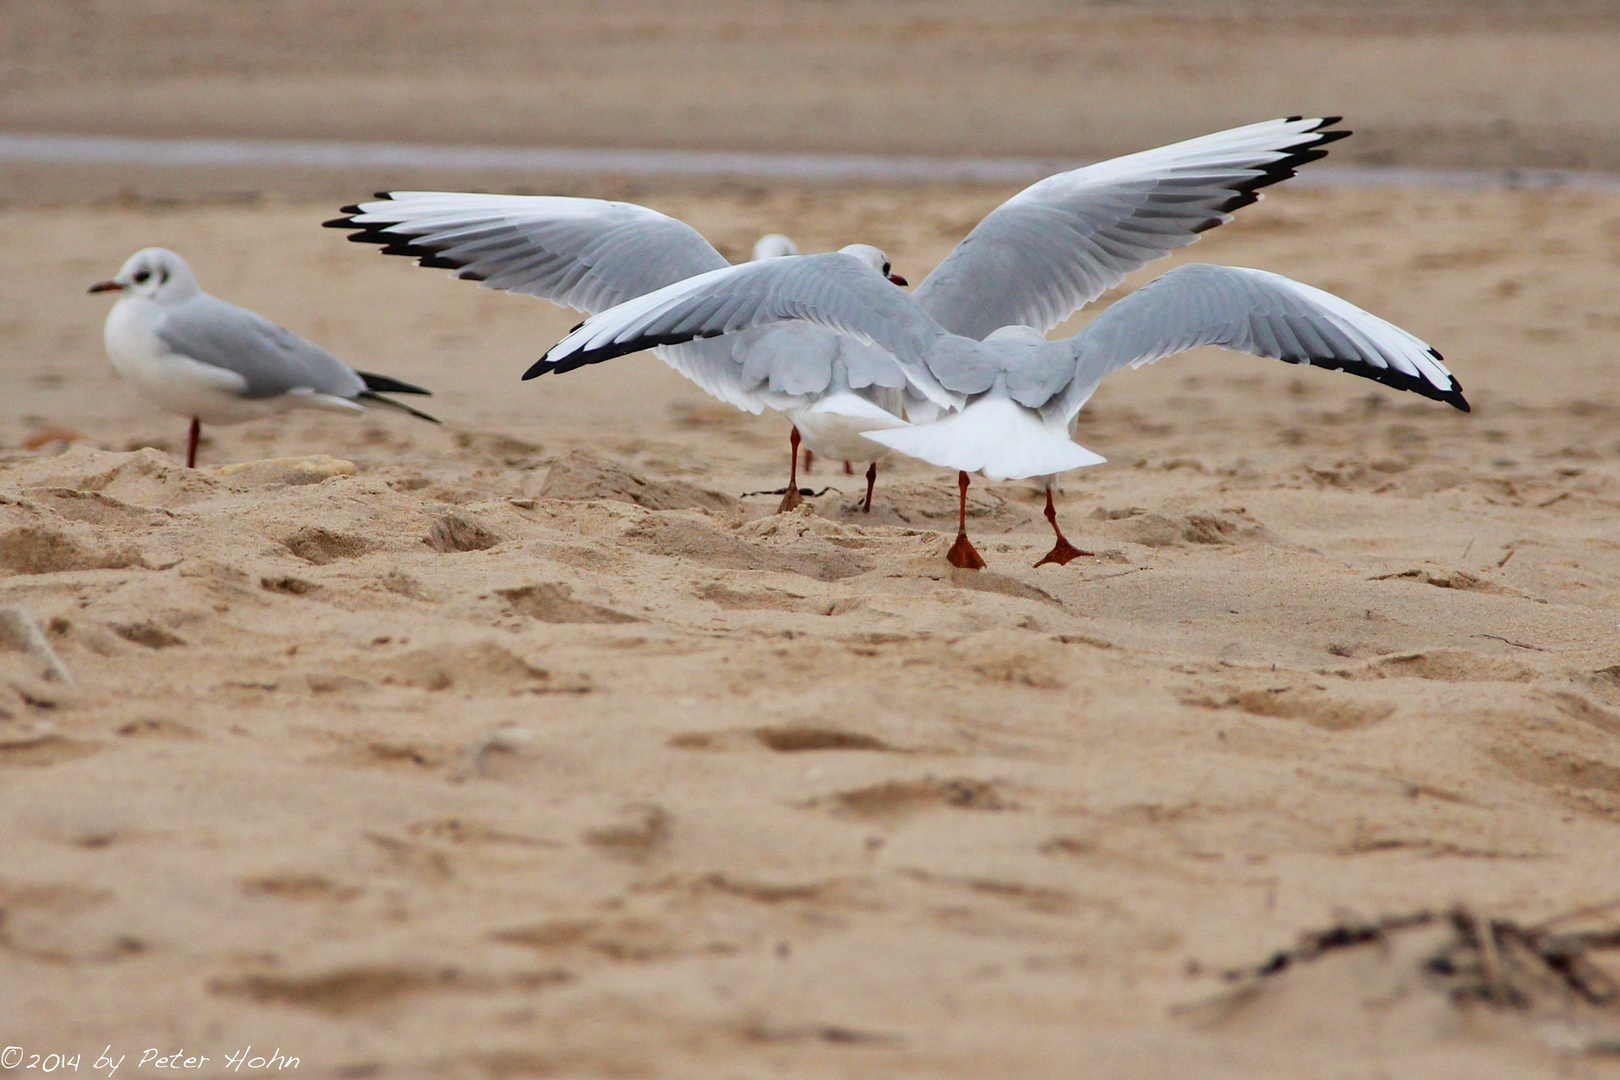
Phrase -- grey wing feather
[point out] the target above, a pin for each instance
(1256, 312)
(866, 365)
(770, 364)
(834, 291)
(586, 254)
(793, 358)
(747, 367)
(1062, 242)
(272, 360)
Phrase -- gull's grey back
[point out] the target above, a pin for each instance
(272, 360)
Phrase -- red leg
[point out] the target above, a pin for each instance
(809, 460)
(963, 553)
(849, 469)
(791, 497)
(871, 479)
(191, 444)
(1062, 551)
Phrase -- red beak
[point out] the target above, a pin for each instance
(106, 286)
(898, 280)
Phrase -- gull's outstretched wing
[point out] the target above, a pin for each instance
(1255, 312)
(585, 254)
(834, 291)
(1062, 242)
(269, 360)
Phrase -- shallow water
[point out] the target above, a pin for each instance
(110, 150)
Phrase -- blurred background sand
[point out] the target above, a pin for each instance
(528, 748)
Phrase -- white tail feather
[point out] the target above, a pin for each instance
(995, 436)
(305, 398)
(856, 407)
(833, 426)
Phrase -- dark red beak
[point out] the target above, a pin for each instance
(898, 280)
(106, 286)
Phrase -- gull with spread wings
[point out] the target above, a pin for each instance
(1049, 250)
(1022, 392)
(590, 254)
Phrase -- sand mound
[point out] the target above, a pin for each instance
(144, 477)
(696, 540)
(36, 549)
(482, 668)
(554, 602)
(294, 470)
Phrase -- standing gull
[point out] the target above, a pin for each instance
(590, 254)
(196, 355)
(1023, 392)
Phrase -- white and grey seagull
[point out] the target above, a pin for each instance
(590, 254)
(196, 355)
(1048, 250)
(1023, 392)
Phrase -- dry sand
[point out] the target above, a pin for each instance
(648, 782)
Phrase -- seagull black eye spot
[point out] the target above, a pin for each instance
(163, 278)
(140, 278)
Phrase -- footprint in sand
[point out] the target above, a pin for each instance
(894, 798)
(320, 546)
(553, 602)
(1446, 665)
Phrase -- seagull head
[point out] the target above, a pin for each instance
(774, 246)
(154, 273)
(874, 258)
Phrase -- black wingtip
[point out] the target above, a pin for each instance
(376, 398)
(1306, 150)
(1454, 397)
(1388, 376)
(387, 385)
(387, 196)
(392, 243)
(610, 351)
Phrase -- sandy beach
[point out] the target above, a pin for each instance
(528, 745)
